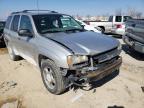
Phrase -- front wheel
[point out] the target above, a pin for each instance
(52, 77)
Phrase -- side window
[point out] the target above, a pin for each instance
(118, 19)
(8, 22)
(110, 19)
(15, 21)
(25, 23)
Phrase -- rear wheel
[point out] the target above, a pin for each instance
(102, 29)
(52, 77)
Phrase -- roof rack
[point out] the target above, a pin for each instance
(39, 11)
(25, 11)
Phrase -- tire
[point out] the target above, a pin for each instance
(102, 30)
(52, 77)
(12, 55)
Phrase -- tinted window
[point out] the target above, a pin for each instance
(127, 18)
(118, 19)
(8, 22)
(25, 23)
(110, 19)
(15, 21)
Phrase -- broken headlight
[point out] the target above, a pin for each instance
(75, 59)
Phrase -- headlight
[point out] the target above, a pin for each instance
(76, 59)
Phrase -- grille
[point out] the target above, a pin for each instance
(97, 59)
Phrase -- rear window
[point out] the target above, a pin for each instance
(14, 25)
(8, 22)
(118, 19)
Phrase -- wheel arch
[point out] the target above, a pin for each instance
(42, 57)
(102, 27)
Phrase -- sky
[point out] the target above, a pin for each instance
(71, 7)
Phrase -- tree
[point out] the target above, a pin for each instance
(118, 12)
(134, 13)
(78, 17)
(138, 15)
(131, 12)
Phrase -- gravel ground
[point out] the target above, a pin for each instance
(21, 86)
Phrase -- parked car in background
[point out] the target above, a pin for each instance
(134, 36)
(115, 24)
(2, 24)
(57, 44)
(89, 27)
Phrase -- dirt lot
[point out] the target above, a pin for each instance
(21, 86)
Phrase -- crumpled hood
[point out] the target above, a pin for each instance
(85, 43)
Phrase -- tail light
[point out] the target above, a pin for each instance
(119, 26)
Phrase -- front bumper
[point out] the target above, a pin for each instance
(134, 44)
(102, 72)
(119, 31)
(93, 74)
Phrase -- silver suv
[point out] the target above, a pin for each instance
(65, 53)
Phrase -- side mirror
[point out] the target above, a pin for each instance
(25, 33)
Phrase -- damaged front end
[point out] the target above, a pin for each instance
(96, 68)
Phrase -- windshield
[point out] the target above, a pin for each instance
(55, 23)
(127, 18)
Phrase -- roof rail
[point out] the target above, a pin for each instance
(25, 11)
(39, 11)
(15, 12)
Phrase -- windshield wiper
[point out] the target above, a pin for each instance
(74, 29)
(52, 31)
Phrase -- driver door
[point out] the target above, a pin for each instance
(26, 43)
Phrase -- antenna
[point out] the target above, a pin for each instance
(37, 2)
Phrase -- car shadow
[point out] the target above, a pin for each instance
(99, 83)
(115, 106)
(132, 52)
(2, 45)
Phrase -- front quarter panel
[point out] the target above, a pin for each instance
(52, 50)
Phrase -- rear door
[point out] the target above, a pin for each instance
(26, 43)
(6, 29)
(13, 33)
